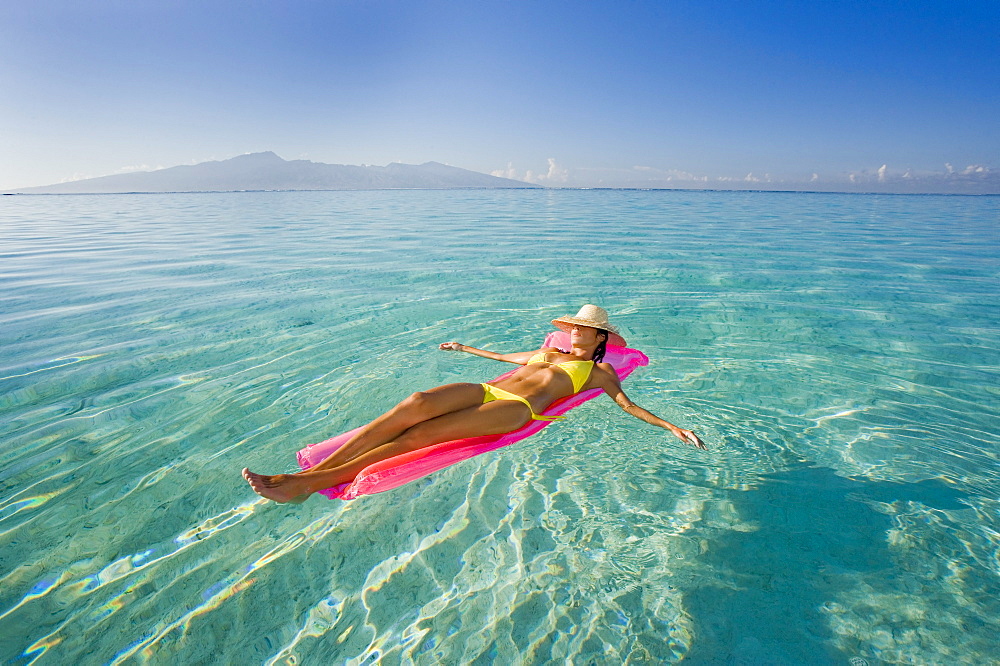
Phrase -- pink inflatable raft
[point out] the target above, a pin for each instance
(394, 472)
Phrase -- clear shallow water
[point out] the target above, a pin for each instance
(838, 353)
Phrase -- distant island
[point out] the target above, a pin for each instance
(267, 171)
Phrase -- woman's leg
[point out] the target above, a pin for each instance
(490, 419)
(419, 407)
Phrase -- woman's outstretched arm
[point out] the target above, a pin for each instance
(608, 380)
(520, 358)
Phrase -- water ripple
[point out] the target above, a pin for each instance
(838, 354)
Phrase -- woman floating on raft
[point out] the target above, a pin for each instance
(464, 410)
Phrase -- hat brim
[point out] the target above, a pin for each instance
(566, 324)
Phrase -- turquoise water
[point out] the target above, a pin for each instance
(839, 355)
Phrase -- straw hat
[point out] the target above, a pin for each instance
(595, 317)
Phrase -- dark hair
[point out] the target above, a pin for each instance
(602, 347)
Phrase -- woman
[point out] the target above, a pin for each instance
(457, 411)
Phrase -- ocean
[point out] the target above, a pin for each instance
(839, 354)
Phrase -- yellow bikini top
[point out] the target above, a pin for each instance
(578, 371)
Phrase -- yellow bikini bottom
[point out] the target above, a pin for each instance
(494, 393)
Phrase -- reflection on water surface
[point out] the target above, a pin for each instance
(838, 353)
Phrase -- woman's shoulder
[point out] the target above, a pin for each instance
(604, 376)
(607, 368)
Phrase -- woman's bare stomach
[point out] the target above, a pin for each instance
(540, 385)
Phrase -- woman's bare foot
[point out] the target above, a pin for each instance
(280, 488)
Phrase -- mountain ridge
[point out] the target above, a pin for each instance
(267, 171)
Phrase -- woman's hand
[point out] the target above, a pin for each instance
(689, 437)
(450, 346)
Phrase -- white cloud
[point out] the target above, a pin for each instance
(972, 179)
(670, 175)
(749, 178)
(509, 172)
(554, 174)
(137, 167)
(76, 176)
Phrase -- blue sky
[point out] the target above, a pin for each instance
(659, 93)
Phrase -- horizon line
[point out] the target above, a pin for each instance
(530, 187)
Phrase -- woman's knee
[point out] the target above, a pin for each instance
(415, 437)
(421, 401)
